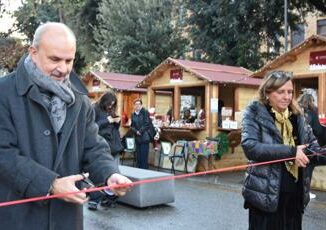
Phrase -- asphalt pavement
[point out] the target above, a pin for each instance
(205, 202)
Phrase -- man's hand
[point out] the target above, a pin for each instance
(67, 184)
(119, 179)
(300, 158)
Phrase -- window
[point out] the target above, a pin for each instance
(321, 27)
(297, 35)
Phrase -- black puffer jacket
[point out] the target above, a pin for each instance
(262, 141)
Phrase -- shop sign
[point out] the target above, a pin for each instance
(317, 60)
(96, 84)
(175, 75)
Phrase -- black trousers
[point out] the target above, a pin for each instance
(142, 150)
(287, 217)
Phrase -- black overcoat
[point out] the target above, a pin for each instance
(31, 156)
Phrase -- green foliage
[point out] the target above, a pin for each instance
(11, 50)
(137, 35)
(82, 18)
(30, 15)
(223, 143)
(233, 32)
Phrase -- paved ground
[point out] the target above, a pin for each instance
(208, 202)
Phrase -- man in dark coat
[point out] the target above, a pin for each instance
(49, 137)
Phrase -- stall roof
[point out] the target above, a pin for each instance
(290, 56)
(206, 71)
(120, 81)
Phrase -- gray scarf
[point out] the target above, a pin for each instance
(63, 95)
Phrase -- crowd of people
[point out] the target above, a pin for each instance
(53, 138)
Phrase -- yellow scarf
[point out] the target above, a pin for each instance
(285, 127)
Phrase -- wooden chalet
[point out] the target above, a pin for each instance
(125, 87)
(307, 61)
(203, 85)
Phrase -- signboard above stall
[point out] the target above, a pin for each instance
(175, 75)
(317, 60)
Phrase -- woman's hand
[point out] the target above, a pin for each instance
(301, 159)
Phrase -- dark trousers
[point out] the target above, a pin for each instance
(142, 155)
(287, 217)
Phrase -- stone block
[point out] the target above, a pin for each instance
(148, 194)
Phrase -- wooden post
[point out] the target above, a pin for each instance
(322, 93)
(120, 103)
(214, 116)
(208, 96)
(176, 103)
(236, 100)
(150, 97)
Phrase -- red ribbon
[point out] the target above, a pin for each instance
(113, 186)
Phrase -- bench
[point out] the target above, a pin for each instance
(148, 194)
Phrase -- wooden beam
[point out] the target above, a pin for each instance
(176, 102)
(236, 99)
(214, 117)
(150, 97)
(120, 103)
(184, 85)
(208, 96)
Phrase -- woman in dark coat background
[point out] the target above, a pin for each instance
(306, 102)
(140, 125)
(274, 128)
(109, 124)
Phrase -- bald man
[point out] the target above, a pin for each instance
(48, 137)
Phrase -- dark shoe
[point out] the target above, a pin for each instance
(109, 201)
(92, 205)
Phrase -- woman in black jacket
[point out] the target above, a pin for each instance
(274, 128)
(109, 124)
(140, 126)
(306, 102)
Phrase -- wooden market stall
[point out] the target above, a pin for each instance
(200, 87)
(307, 61)
(124, 85)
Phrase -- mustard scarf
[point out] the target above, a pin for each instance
(285, 127)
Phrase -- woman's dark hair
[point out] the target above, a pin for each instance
(107, 99)
(273, 81)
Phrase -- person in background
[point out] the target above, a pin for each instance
(219, 112)
(187, 116)
(49, 137)
(274, 128)
(307, 104)
(202, 116)
(140, 125)
(156, 137)
(109, 124)
(169, 115)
